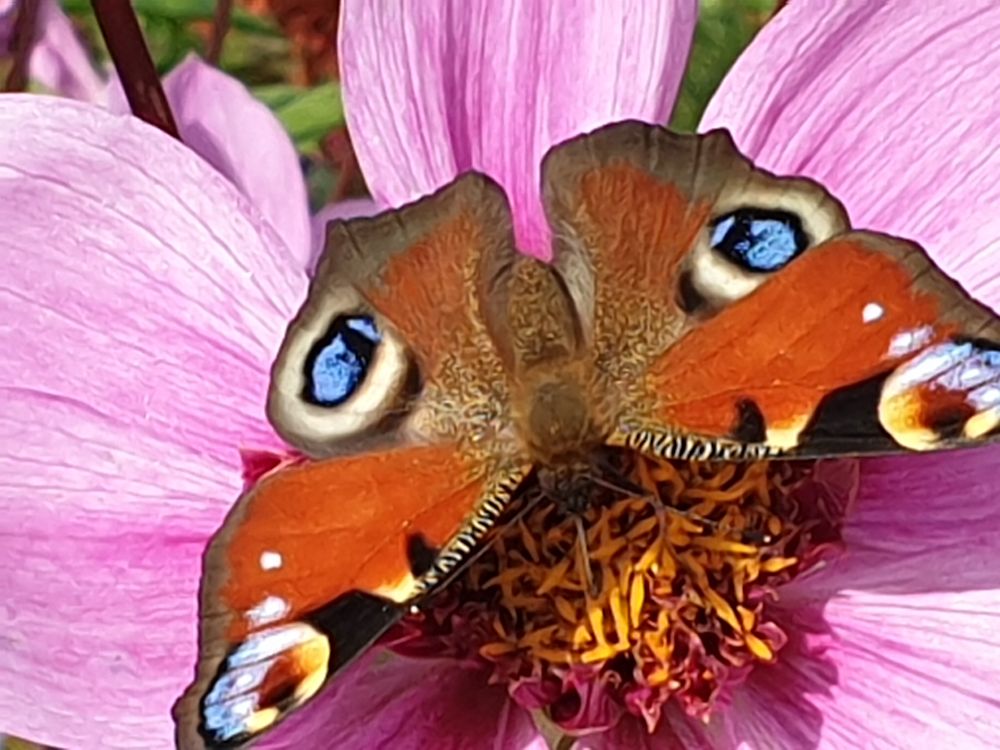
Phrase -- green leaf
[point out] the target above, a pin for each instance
(307, 114)
(277, 95)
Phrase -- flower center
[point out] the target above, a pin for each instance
(658, 589)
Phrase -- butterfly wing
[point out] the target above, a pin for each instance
(734, 313)
(389, 377)
(315, 563)
(860, 346)
(413, 279)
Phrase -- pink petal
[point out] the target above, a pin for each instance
(59, 60)
(437, 87)
(240, 137)
(142, 301)
(774, 707)
(389, 702)
(677, 731)
(905, 650)
(345, 209)
(890, 671)
(921, 524)
(894, 107)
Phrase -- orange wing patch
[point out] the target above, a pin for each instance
(313, 532)
(429, 292)
(624, 219)
(423, 267)
(642, 225)
(843, 313)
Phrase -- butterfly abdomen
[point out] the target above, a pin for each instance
(559, 416)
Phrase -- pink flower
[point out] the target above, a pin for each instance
(144, 296)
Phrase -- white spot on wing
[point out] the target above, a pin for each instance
(972, 375)
(270, 560)
(908, 342)
(987, 397)
(232, 706)
(229, 718)
(980, 369)
(872, 311)
(269, 610)
(269, 643)
(237, 682)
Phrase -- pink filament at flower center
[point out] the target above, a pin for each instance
(669, 598)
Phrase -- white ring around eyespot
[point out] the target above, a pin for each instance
(721, 281)
(313, 428)
(717, 279)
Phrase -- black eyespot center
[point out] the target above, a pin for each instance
(757, 239)
(338, 361)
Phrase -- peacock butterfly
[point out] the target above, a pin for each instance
(695, 307)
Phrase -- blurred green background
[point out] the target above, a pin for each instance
(725, 28)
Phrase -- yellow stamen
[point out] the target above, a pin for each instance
(497, 648)
(636, 597)
(565, 609)
(758, 647)
(663, 583)
(620, 617)
(722, 609)
(777, 563)
(747, 618)
(724, 545)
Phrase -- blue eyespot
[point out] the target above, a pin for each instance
(759, 240)
(338, 362)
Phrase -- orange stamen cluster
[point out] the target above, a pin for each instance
(669, 590)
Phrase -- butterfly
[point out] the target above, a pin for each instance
(695, 307)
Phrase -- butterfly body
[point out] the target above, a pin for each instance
(695, 307)
(557, 421)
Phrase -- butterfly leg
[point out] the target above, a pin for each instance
(583, 556)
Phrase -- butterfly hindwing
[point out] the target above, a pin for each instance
(312, 565)
(735, 314)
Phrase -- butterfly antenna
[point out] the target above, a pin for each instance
(620, 484)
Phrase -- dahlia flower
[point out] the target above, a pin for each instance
(145, 296)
